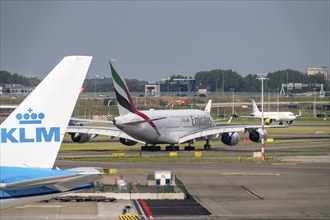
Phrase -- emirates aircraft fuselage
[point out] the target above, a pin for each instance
(163, 126)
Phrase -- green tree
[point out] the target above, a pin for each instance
(251, 83)
(9, 78)
(277, 78)
(219, 80)
(135, 85)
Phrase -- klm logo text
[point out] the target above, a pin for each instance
(41, 134)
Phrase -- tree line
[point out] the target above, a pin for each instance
(9, 78)
(226, 80)
(216, 80)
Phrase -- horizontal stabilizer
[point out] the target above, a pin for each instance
(62, 182)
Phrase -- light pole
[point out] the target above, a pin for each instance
(314, 103)
(287, 81)
(262, 78)
(277, 100)
(223, 84)
(233, 99)
(95, 87)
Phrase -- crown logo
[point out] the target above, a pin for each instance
(30, 118)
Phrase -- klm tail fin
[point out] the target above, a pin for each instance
(208, 107)
(254, 106)
(31, 136)
(124, 99)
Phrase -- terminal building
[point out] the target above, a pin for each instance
(179, 86)
(318, 70)
(16, 89)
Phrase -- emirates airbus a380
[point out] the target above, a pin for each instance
(153, 127)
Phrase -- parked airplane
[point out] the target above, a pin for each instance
(162, 126)
(270, 117)
(31, 136)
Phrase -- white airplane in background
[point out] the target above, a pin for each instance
(162, 126)
(31, 136)
(270, 117)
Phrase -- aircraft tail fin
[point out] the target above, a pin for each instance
(208, 107)
(124, 99)
(254, 106)
(31, 136)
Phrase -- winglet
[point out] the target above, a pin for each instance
(124, 99)
(235, 115)
(208, 107)
(300, 115)
(229, 121)
(32, 135)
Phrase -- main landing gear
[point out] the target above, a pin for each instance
(207, 145)
(189, 147)
(150, 148)
(172, 147)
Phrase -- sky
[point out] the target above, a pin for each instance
(151, 40)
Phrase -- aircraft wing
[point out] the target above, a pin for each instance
(223, 129)
(108, 131)
(64, 182)
(90, 121)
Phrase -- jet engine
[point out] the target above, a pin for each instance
(81, 138)
(255, 135)
(268, 121)
(127, 142)
(230, 138)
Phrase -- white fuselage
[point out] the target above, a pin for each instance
(163, 126)
(277, 116)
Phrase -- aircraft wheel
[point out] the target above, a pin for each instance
(153, 148)
(207, 146)
(189, 148)
(176, 148)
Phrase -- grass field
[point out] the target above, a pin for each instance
(211, 157)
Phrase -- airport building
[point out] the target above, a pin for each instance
(179, 86)
(318, 70)
(152, 90)
(16, 89)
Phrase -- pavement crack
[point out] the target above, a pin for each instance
(252, 193)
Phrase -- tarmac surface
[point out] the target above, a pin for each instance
(298, 187)
(288, 190)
